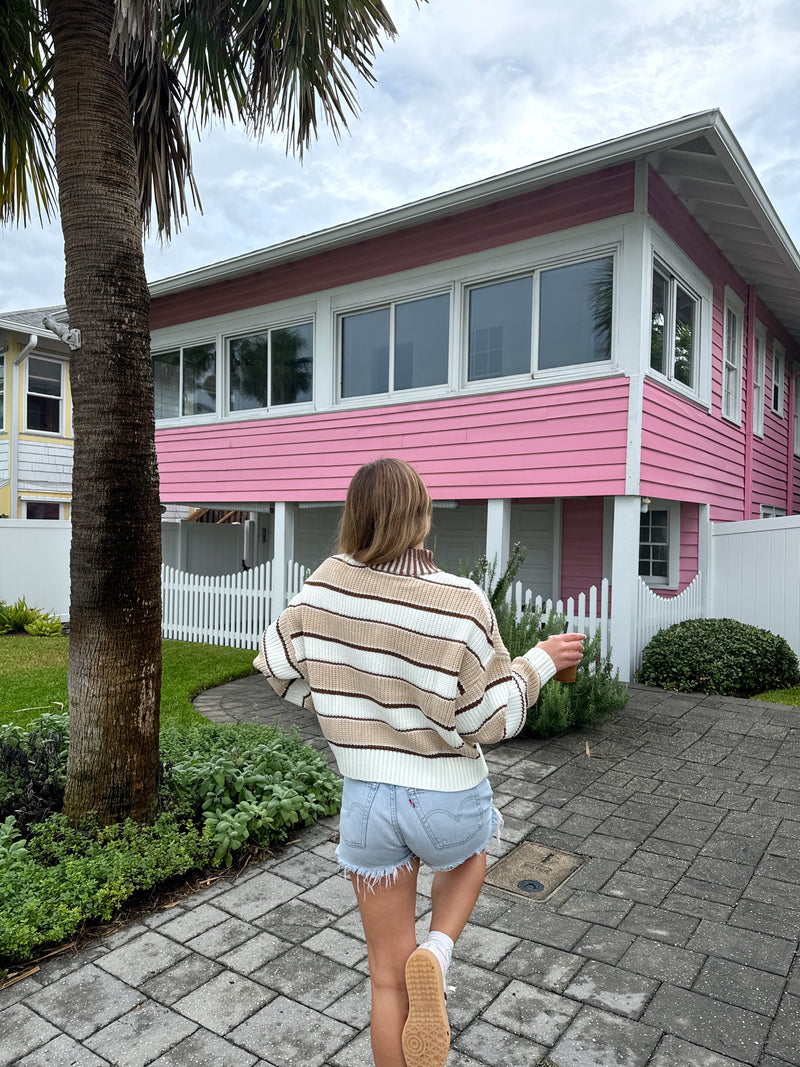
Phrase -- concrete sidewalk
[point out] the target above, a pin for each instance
(673, 945)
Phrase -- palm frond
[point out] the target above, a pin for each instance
(301, 53)
(161, 113)
(27, 162)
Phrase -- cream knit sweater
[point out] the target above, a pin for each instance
(405, 668)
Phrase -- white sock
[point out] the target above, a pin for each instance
(441, 946)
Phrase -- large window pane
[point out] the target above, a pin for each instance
(685, 330)
(248, 372)
(200, 379)
(500, 329)
(575, 313)
(421, 333)
(42, 509)
(365, 353)
(658, 319)
(167, 381)
(292, 364)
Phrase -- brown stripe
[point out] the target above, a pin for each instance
(380, 735)
(377, 649)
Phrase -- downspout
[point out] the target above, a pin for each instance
(749, 357)
(790, 464)
(13, 444)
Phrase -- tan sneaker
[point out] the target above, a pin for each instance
(426, 1034)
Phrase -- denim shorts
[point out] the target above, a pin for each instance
(382, 827)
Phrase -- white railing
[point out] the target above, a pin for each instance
(656, 612)
(227, 609)
(584, 614)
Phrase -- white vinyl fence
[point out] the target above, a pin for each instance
(585, 614)
(228, 609)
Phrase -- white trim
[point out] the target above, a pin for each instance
(759, 379)
(673, 509)
(62, 397)
(735, 305)
(683, 270)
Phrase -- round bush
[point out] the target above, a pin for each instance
(718, 656)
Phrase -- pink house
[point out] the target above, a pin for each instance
(596, 355)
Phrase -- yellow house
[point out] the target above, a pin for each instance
(36, 439)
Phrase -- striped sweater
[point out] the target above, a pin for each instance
(405, 668)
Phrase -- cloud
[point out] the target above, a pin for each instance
(470, 89)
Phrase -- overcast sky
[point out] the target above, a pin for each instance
(469, 89)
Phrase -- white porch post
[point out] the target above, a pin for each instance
(624, 583)
(498, 533)
(284, 551)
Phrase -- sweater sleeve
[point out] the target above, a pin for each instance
(496, 691)
(280, 658)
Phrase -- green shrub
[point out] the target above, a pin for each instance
(248, 784)
(596, 693)
(718, 656)
(33, 767)
(19, 617)
(70, 876)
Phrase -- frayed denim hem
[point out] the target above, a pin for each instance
(373, 879)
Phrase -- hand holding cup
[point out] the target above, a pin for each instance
(566, 652)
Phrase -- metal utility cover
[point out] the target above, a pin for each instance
(533, 871)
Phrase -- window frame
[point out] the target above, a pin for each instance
(796, 416)
(180, 345)
(26, 501)
(732, 357)
(390, 304)
(689, 281)
(778, 360)
(772, 511)
(534, 270)
(2, 392)
(759, 379)
(672, 581)
(60, 432)
(225, 376)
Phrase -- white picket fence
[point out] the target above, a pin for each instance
(585, 614)
(656, 612)
(228, 609)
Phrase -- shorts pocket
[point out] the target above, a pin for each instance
(357, 800)
(453, 819)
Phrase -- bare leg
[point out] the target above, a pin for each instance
(387, 915)
(455, 893)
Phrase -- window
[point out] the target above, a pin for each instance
(797, 416)
(44, 395)
(397, 347)
(186, 381)
(778, 363)
(42, 509)
(572, 327)
(575, 313)
(271, 368)
(769, 511)
(732, 345)
(674, 328)
(659, 543)
(759, 379)
(2, 392)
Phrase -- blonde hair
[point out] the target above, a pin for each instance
(387, 510)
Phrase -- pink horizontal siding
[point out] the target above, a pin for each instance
(568, 440)
(557, 207)
(690, 455)
(581, 546)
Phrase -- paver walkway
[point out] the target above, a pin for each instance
(674, 944)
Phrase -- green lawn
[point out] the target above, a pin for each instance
(33, 675)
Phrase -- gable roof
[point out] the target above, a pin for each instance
(697, 156)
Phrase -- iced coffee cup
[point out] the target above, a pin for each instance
(566, 674)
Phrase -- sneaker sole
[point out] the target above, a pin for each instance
(426, 1034)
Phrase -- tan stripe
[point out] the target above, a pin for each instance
(346, 681)
(349, 733)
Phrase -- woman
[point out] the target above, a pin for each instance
(408, 675)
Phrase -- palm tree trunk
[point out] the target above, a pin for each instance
(115, 607)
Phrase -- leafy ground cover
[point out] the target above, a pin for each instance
(227, 792)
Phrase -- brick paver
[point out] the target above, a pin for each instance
(673, 945)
